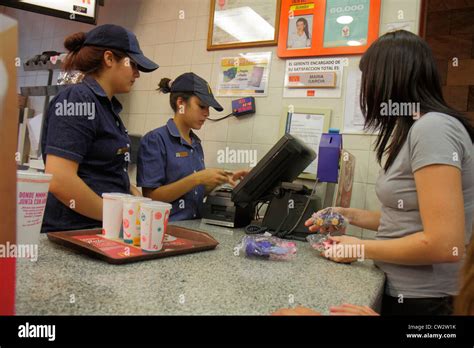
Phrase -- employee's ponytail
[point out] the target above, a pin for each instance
(87, 59)
(74, 42)
(164, 86)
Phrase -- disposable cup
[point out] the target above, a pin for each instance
(112, 211)
(154, 221)
(131, 219)
(32, 194)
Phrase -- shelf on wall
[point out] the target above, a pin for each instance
(41, 66)
(41, 91)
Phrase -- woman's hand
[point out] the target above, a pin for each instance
(350, 309)
(315, 228)
(344, 309)
(296, 311)
(135, 191)
(211, 178)
(239, 175)
(345, 249)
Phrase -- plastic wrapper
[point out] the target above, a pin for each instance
(267, 247)
(320, 242)
(330, 221)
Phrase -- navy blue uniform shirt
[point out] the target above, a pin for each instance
(165, 157)
(83, 125)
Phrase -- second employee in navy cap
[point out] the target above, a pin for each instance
(171, 159)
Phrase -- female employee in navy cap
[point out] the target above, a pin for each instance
(171, 160)
(84, 142)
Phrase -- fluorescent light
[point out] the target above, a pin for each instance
(344, 19)
(244, 24)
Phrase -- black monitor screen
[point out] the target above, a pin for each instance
(283, 163)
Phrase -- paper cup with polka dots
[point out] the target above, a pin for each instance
(153, 223)
(131, 219)
(112, 211)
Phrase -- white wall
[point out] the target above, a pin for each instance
(179, 45)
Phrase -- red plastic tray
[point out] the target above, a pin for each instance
(178, 241)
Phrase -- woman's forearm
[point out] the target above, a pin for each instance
(173, 191)
(74, 193)
(369, 220)
(415, 249)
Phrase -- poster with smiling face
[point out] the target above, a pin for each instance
(300, 29)
(315, 28)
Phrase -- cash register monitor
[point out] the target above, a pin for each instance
(283, 163)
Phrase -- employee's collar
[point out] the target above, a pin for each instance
(99, 91)
(175, 132)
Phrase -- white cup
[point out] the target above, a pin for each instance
(131, 219)
(154, 221)
(32, 194)
(112, 211)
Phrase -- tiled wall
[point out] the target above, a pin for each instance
(179, 45)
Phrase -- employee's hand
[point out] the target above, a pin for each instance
(237, 176)
(347, 246)
(212, 177)
(330, 229)
(296, 311)
(350, 309)
(135, 191)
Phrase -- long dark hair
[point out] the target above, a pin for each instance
(400, 67)
(305, 22)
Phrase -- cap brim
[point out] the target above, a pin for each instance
(143, 63)
(208, 99)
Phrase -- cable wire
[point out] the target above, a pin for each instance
(218, 119)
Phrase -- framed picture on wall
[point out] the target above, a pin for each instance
(243, 23)
(327, 27)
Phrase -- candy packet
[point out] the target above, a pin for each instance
(266, 247)
(320, 242)
(329, 220)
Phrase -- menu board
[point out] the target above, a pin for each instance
(80, 10)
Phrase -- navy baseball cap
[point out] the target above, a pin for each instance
(117, 37)
(190, 82)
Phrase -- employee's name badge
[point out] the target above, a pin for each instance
(123, 150)
(182, 154)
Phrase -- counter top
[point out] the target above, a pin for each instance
(216, 282)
